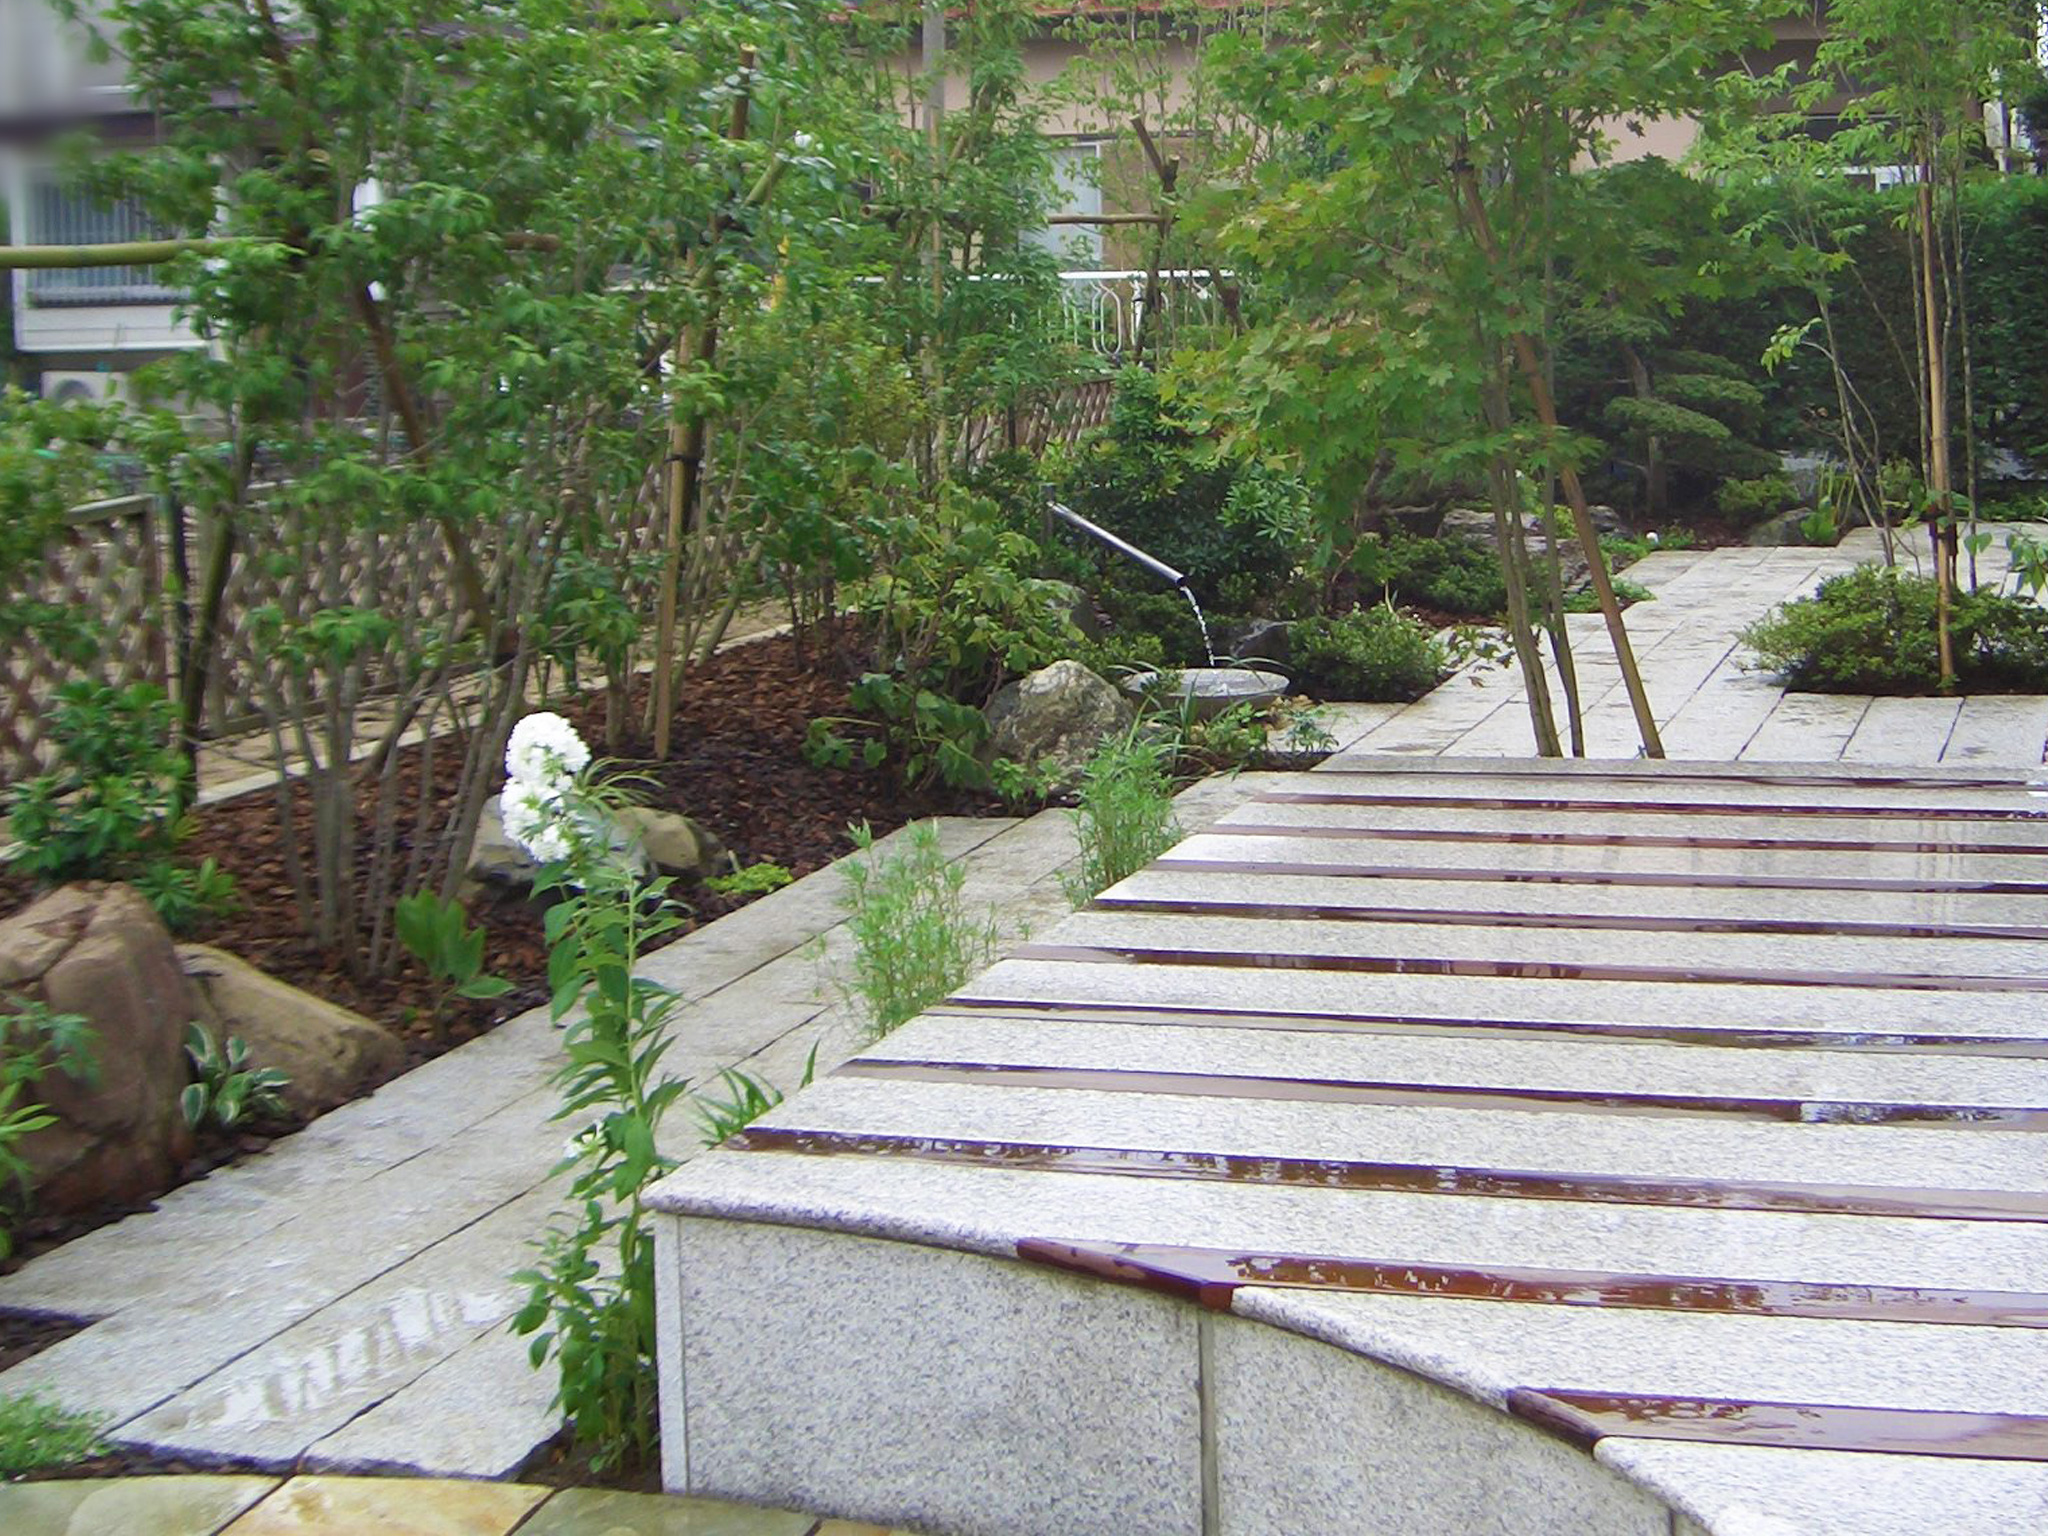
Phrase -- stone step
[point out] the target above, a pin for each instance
(1393, 1169)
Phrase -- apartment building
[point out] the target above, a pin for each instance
(77, 331)
(74, 332)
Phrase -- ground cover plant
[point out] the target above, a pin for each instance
(37, 1433)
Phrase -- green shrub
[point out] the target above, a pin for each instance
(1871, 630)
(1166, 617)
(111, 802)
(1149, 480)
(1451, 575)
(1625, 549)
(953, 611)
(1752, 501)
(1125, 817)
(1368, 654)
(112, 807)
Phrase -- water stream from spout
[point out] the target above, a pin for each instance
(1189, 593)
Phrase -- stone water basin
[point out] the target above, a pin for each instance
(1211, 690)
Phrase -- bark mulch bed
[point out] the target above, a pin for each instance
(736, 765)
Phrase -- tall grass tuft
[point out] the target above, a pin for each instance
(1124, 818)
(37, 1432)
(913, 940)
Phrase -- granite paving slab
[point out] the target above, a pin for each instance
(205, 1505)
(1686, 1152)
(129, 1506)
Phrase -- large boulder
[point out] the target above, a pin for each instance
(1056, 717)
(1784, 529)
(330, 1054)
(101, 952)
(1476, 525)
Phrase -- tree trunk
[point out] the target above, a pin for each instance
(1939, 486)
(1531, 365)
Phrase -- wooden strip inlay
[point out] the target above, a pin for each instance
(1410, 1095)
(1622, 770)
(1466, 917)
(1522, 838)
(1738, 1036)
(1528, 970)
(1410, 1178)
(1585, 1418)
(1660, 879)
(1462, 802)
(1212, 1276)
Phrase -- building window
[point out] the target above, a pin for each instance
(59, 216)
(1077, 179)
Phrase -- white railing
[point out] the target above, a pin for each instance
(1106, 308)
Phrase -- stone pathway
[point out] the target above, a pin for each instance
(1709, 705)
(1564, 1149)
(339, 1302)
(358, 1506)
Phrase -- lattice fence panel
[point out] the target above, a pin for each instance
(308, 562)
(1063, 418)
(106, 565)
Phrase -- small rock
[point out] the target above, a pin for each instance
(1263, 640)
(495, 859)
(672, 843)
(330, 1054)
(1076, 606)
(1780, 530)
(99, 951)
(1055, 716)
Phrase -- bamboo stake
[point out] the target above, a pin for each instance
(686, 443)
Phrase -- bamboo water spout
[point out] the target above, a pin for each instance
(1152, 563)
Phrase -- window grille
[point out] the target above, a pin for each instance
(61, 216)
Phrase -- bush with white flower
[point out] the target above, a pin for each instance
(594, 1314)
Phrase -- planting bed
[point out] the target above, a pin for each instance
(736, 766)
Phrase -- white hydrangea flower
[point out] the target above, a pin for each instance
(546, 750)
(536, 820)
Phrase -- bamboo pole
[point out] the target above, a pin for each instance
(154, 253)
